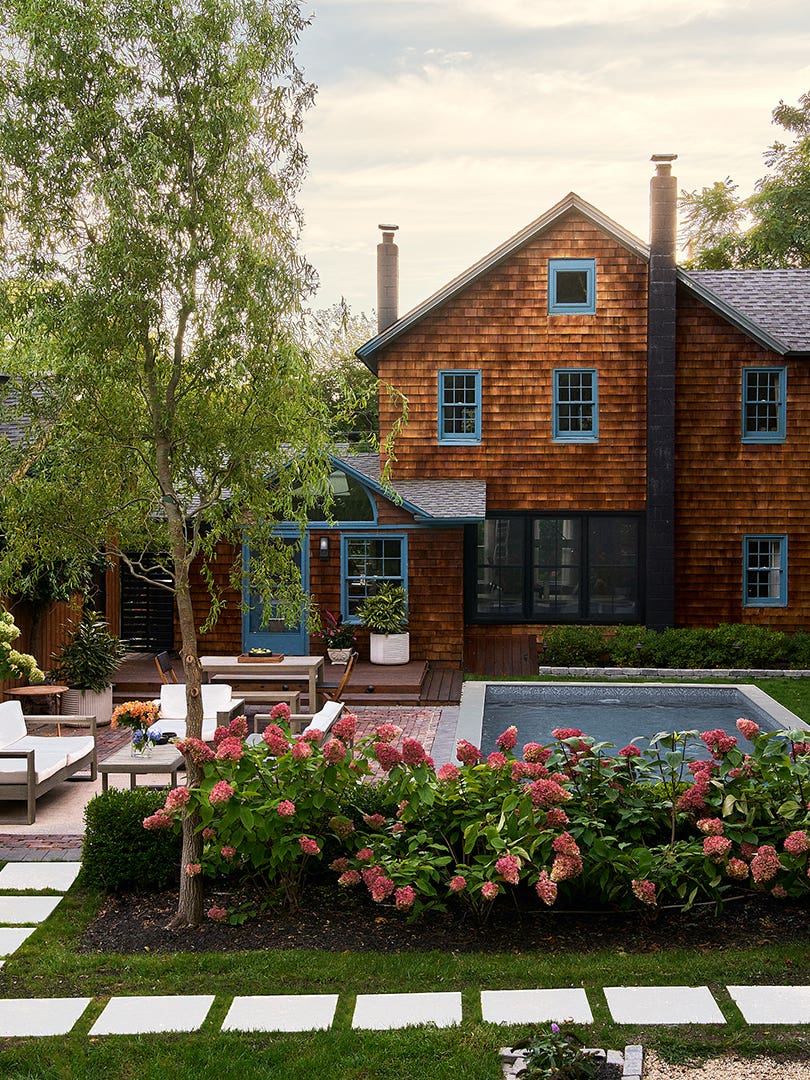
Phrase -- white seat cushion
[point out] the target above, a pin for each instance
(216, 697)
(179, 727)
(71, 748)
(12, 722)
(14, 770)
(325, 717)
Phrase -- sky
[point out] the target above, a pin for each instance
(461, 121)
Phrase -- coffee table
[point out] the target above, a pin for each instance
(163, 759)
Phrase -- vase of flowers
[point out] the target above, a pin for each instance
(141, 718)
(338, 638)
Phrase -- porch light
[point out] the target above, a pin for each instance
(323, 547)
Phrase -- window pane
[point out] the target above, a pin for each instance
(556, 566)
(764, 569)
(762, 402)
(500, 567)
(370, 561)
(575, 402)
(572, 287)
(613, 567)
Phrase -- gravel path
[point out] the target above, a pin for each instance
(726, 1068)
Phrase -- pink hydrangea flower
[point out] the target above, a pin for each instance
(301, 750)
(387, 732)
(546, 889)
(221, 792)
(629, 751)
(397, 829)
(507, 740)
(346, 727)
(159, 820)
(370, 875)
(381, 888)
(644, 891)
(286, 808)
(565, 867)
(218, 914)
(448, 772)
(220, 733)
(404, 898)
(737, 869)
(238, 728)
(335, 751)
(193, 868)
(747, 728)
(176, 799)
(312, 735)
(546, 793)
(717, 742)
(199, 752)
(227, 852)
(308, 845)
(565, 844)
(693, 798)
(711, 826)
(556, 818)
(341, 827)
(208, 834)
(281, 711)
(413, 753)
(490, 889)
(340, 864)
(387, 755)
(716, 847)
(277, 745)
(230, 749)
(779, 892)
(374, 821)
(458, 883)
(365, 854)
(466, 753)
(508, 866)
(797, 843)
(536, 753)
(765, 864)
(349, 878)
(566, 733)
(497, 760)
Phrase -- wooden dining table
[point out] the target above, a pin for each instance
(288, 669)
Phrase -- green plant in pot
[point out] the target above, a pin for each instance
(385, 614)
(87, 664)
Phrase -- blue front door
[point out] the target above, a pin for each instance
(263, 626)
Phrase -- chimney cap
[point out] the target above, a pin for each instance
(663, 157)
(388, 228)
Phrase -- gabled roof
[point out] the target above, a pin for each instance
(771, 306)
(435, 501)
(571, 202)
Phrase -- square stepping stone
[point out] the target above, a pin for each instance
(39, 875)
(40, 1016)
(384, 1012)
(149, 1015)
(532, 1006)
(281, 1012)
(27, 909)
(663, 1005)
(12, 938)
(772, 1004)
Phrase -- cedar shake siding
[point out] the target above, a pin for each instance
(500, 324)
(727, 489)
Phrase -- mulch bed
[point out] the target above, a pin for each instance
(339, 920)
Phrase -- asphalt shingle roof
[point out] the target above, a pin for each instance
(775, 301)
(439, 500)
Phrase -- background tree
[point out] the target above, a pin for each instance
(151, 296)
(348, 388)
(770, 228)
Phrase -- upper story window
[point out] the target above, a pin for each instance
(764, 405)
(575, 408)
(571, 286)
(459, 406)
(765, 571)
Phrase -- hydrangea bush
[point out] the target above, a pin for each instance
(576, 821)
(14, 664)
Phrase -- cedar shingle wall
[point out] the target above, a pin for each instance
(502, 326)
(726, 489)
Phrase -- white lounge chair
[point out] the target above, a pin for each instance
(301, 723)
(219, 708)
(30, 765)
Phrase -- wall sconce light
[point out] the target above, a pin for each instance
(323, 547)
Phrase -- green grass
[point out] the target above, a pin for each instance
(51, 964)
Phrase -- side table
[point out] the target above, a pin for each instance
(163, 759)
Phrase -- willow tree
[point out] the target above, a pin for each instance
(149, 166)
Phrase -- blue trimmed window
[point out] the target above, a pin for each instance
(366, 562)
(764, 411)
(575, 414)
(765, 571)
(459, 407)
(571, 286)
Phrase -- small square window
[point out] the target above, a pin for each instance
(764, 411)
(571, 286)
(765, 571)
(459, 407)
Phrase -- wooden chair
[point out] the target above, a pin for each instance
(334, 691)
(164, 665)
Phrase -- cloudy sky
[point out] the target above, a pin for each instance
(463, 120)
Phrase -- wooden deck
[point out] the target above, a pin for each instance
(415, 683)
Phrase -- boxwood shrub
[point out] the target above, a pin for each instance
(118, 853)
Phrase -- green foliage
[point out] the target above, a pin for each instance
(556, 1054)
(117, 852)
(770, 228)
(14, 664)
(90, 658)
(386, 610)
(574, 646)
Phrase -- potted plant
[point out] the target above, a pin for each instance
(87, 664)
(385, 613)
(338, 637)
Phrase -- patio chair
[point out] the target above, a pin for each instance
(335, 691)
(300, 723)
(219, 708)
(163, 662)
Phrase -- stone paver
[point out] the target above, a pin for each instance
(663, 1005)
(772, 1004)
(11, 938)
(534, 1006)
(281, 1012)
(27, 909)
(149, 1015)
(383, 1012)
(40, 875)
(40, 1016)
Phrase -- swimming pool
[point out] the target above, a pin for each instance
(611, 712)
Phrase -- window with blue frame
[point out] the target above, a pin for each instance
(764, 409)
(571, 286)
(765, 571)
(366, 562)
(575, 414)
(459, 406)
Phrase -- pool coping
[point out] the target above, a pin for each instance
(471, 706)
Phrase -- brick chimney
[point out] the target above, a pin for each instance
(661, 351)
(387, 279)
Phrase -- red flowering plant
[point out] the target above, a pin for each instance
(335, 633)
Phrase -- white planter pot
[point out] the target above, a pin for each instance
(88, 703)
(339, 656)
(390, 648)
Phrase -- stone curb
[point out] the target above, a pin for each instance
(675, 673)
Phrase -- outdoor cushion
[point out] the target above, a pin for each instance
(15, 770)
(216, 697)
(71, 748)
(12, 722)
